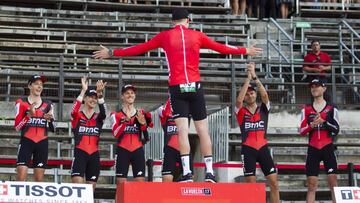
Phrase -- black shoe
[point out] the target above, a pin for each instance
(188, 178)
(209, 177)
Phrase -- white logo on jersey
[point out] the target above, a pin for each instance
(255, 125)
(37, 121)
(139, 173)
(84, 129)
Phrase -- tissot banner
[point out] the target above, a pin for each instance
(347, 194)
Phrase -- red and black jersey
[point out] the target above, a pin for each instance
(131, 135)
(36, 127)
(87, 130)
(323, 134)
(253, 127)
(169, 126)
(182, 50)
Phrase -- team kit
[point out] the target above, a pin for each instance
(35, 117)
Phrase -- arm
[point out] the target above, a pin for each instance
(242, 92)
(105, 52)
(100, 86)
(327, 66)
(117, 125)
(305, 128)
(52, 125)
(263, 94)
(20, 118)
(308, 69)
(206, 42)
(332, 122)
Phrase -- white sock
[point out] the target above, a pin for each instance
(209, 164)
(185, 159)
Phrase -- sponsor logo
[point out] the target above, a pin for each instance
(255, 125)
(330, 170)
(350, 194)
(131, 129)
(93, 178)
(171, 129)
(139, 173)
(37, 121)
(3, 189)
(40, 165)
(195, 191)
(40, 190)
(89, 130)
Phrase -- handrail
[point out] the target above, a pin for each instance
(281, 31)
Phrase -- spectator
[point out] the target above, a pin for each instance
(236, 10)
(284, 7)
(316, 62)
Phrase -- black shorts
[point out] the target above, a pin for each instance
(171, 157)
(124, 158)
(189, 103)
(86, 164)
(28, 148)
(250, 156)
(315, 156)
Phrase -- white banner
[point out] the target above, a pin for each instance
(45, 192)
(347, 194)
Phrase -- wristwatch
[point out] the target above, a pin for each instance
(110, 52)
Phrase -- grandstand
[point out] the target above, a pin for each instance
(56, 39)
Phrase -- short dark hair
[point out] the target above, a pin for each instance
(315, 40)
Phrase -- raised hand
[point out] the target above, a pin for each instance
(141, 118)
(84, 83)
(48, 116)
(103, 53)
(32, 109)
(100, 86)
(253, 51)
(251, 69)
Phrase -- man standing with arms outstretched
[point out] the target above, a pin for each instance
(182, 49)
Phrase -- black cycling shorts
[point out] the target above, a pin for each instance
(28, 148)
(250, 156)
(188, 103)
(124, 158)
(315, 156)
(86, 164)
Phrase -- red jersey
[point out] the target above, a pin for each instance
(87, 130)
(253, 127)
(322, 58)
(36, 127)
(129, 132)
(323, 134)
(182, 50)
(169, 126)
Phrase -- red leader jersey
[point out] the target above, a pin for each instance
(253, 127)
(321, 58)
(323, 134)
(169, 126)
(129, 132)
(182, 50)
(36, 127)
(87, 130)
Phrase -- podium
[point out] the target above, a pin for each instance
(157, 192)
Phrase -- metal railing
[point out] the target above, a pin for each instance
(278, 45)
(344, 31)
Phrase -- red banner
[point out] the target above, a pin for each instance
(135, 192)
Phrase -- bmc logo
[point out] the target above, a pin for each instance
(37, 121)
(84, 129)
(350, 194)
(3, 190)
(191, 191)
(171, 129)
(255, 125)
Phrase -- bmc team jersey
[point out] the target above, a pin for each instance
(34, 128)
(253, 126)
(169, 126)
(182, 50)
(87, 130)
(323, 134)
(129, 132)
